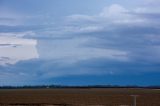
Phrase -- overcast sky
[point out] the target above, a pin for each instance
(80, 42)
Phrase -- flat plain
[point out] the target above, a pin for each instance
(79, 97)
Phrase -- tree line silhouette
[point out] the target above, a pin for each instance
(87, 87)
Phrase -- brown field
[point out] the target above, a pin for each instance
(79, 97)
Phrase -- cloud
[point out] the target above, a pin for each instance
(113, 10)
(109, 15)
(118, 15)
(80, 17)
(51, 69)
(73, 50)
(152, 3)
(17, 34)
(117, 27)
(14, 49)
(114, 32)
(116, 40)
(13, 18)
(10, 17)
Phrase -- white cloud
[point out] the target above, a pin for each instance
(17, 34)
(13, 49)
(117, 14)
(113, 10)
(109, 16)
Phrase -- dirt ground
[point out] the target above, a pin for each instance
(79, 97)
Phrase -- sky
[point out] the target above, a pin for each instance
(80, 42)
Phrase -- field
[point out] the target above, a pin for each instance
(79, 97)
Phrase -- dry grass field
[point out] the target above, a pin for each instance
(79, 97)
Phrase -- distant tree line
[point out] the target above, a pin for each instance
(87, 87)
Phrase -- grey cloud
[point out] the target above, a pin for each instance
(12, 45)
(148, 15)
(6, 19)
(4, 58)
(20, 28)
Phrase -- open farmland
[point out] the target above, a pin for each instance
(79, 97)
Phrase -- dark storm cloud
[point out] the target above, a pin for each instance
(35, 70)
